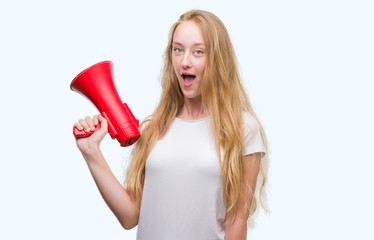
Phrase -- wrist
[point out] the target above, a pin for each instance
(91, 152)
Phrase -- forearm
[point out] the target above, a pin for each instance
(236, 230)
(113, 193)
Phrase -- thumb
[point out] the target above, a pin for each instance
(99, 135)
(103, 123)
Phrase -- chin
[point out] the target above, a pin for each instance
(192, 96)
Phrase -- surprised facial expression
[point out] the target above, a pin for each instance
(189, 58)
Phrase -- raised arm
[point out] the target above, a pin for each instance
(113, 193)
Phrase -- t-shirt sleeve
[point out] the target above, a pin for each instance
(252, 139)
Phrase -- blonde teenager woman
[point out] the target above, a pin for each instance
(199, 169)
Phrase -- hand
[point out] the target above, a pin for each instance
(88, 144)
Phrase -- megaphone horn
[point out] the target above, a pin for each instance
(97, 84)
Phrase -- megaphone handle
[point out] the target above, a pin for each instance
(81, 133)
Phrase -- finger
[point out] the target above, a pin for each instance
(90, 123)
(78, 126)
(84, 125)
(95, 120)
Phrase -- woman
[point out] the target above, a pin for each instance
(198, 170)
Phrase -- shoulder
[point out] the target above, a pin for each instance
(252, 137)
(249, 121)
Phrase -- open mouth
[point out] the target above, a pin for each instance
(188, 79)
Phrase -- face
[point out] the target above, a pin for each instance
(189, 58)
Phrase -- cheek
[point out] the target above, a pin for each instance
(202, 65)
(173, 61)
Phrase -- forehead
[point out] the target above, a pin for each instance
(188, 32)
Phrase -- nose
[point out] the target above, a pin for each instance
(186, 62)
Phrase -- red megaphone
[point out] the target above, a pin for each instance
(97, 84)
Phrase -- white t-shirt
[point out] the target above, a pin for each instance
(182, 195)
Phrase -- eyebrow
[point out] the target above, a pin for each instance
(195, 44)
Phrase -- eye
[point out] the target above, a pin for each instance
(177, 50)
(199, 52)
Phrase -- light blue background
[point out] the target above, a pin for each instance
(308, 67)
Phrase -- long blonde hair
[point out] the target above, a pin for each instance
(223, 98)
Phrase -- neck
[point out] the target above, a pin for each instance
(192, 109)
